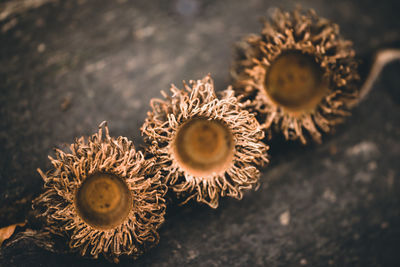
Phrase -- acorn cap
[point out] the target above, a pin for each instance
(205, 147)
(299, 75)
(104, 196)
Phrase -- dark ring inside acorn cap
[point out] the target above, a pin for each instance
(103, 200)
(203, 146)
(295, 81)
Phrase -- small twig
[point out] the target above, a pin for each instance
(381, 59)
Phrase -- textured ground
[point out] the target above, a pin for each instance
(65, 66)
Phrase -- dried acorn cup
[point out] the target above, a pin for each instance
(205, 147)
(104, 196)
(299, 74)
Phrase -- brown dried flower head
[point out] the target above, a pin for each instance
(299, 73)
(205, 146)
(104, 196)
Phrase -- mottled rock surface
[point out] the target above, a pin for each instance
(65, 66)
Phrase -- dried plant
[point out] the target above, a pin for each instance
(103, 196)
(299, 73)
(205, 147)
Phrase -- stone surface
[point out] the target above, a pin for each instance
(65, 66)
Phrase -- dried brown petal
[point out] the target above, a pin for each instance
(206, 147)
(105, 196)
(299, 74)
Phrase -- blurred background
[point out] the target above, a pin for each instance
(66, 66)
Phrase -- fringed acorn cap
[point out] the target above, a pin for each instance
(299, 74)
(104, 196)
(205, 147)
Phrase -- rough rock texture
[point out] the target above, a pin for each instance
(65, 66)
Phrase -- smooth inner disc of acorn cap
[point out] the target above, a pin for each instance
(203, 146)
(295, 81)
(103, 200)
